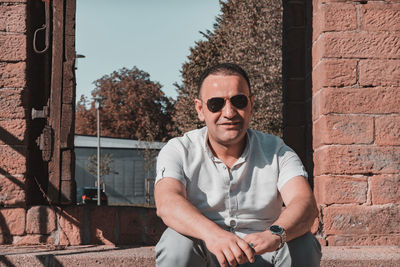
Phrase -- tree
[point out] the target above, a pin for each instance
(105, 166)
(133, 107)
(247, 33)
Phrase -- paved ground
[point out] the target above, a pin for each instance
(13, 256)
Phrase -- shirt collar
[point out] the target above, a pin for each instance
(242, 157)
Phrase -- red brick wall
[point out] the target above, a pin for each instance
(356, 120)
(77, 225)
(13, 125)
(13, 103)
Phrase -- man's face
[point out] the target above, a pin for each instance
(229, 125)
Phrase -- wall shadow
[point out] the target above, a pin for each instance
(297, 80)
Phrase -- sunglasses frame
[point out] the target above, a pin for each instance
(230, 100)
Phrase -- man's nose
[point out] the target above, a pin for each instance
(228, 110)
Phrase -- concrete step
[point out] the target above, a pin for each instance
(91, 255)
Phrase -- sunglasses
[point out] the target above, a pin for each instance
(215, 104)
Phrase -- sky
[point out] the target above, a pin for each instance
(153, 35)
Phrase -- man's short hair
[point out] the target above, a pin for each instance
(224, 69)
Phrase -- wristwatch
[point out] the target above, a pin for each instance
(277, 230)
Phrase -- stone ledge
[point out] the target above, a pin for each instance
(144, 256)
(361, 256)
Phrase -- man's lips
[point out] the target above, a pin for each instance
(232, 123)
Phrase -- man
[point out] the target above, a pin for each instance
(220, 189)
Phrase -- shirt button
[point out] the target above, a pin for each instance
(232, 223)
(224, 167)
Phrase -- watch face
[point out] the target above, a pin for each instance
(276, 229)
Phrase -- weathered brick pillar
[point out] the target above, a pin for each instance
(356, 120)
(13, 111)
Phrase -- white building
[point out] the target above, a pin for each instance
(133, 160)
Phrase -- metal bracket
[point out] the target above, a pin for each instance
(45, 143)
(46, 28)
(40, 114)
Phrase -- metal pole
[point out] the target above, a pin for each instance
(98, 157)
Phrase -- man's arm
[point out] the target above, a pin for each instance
(179, 214)
(297, 218)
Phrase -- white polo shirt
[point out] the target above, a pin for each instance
(245, 198)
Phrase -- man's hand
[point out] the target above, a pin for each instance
(263, 241)
(229, 248)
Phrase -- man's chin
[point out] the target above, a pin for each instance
(232, 138)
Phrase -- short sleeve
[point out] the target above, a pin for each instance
(169, 162)
(290, 166)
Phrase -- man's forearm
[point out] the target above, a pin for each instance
(298, 217)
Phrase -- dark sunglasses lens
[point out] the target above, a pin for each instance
(239, 101)
(215, 104)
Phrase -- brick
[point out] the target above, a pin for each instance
(13, 221)
(364, 240)
(13, 159)
(11, 104)
(357, 45)
(334, 73)
(153, 227)
(343, 129)
(71, 220)
(340, 189)
(380, 100)
(385, 189)
(12, 18)
(380, 17)
(12, 191)
(12, 47)
(130, 226)
(380, 72)
(33, 240)
(359, 220)
(40, 220)
(12, 132)
(12, 75)
(387, 130)
(356, 159)
(334, 17)
(102, 231)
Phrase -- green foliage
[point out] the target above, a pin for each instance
(133, 107)
(248, 33)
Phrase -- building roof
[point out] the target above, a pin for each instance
(108, 142)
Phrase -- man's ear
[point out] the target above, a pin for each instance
(199, 108)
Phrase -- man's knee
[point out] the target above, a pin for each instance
(175, 249)
(305, 250)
